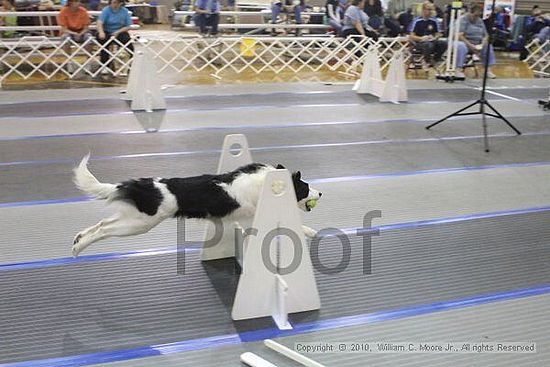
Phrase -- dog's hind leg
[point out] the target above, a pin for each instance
(118, 226)
(93, 228)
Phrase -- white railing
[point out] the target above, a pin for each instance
(231, 13)
(265, 26)
(539, 58)
(31, 28)
(30, 56)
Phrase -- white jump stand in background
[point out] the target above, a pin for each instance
(393, 89)
(235, 154)
(143, 89)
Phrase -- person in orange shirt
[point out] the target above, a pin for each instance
(74, 21)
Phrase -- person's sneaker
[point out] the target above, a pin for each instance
(490, 75)
(460, 74)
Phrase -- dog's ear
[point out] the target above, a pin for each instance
(280, 166)
(297, 176)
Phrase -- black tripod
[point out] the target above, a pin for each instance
(482, 101)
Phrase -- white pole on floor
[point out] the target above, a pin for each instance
(253, 360)
(291, 354)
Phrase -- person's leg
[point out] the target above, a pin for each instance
(336, 26)
(275, 11)
(440, 48)
(427, 49)
(298, 14)
(87, 39)
(200, 21)
(492, 59)
(543, 35)
(103, 54)
(214, 21)
(126, 40)
(66, 40)
(349, 32)
(461, 52)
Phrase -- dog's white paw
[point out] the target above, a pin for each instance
(309, 232)
(75, 250)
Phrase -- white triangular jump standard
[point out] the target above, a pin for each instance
(371, 81)
(143, 87)
(277, 277)
(393, 89)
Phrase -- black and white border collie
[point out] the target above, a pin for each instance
(144, 203)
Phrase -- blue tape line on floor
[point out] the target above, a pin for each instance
(259, 335)
(196, 246)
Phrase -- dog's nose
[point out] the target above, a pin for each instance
(320, 194)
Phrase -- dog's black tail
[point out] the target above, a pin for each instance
(87, 182)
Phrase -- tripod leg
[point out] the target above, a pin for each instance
(457, 113)
(484, 123)
(503, 119)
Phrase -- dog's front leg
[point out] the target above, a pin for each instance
(309, 232)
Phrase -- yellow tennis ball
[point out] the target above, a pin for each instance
(310, 204)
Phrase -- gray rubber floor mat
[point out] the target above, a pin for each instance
(101, 306)
(400, 131)
(518, 320)
(113, 106)
(314, 162)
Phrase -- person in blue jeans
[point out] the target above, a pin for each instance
(538, 26)
(114, 23)
(207, 14)
(288, 6)
(473, 37)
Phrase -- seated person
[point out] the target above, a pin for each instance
(498, 23)
(375, 10)
(335, 15)
(537, 26)
(473, 38)
(405, 19)
(8, 20)
(207, 14)
(287, 6)
(502, 21)
(74, 21)
(356, 21)
(114, 23)
(425, 33)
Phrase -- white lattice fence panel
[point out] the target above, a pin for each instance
(29, 56)
(539, 58)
